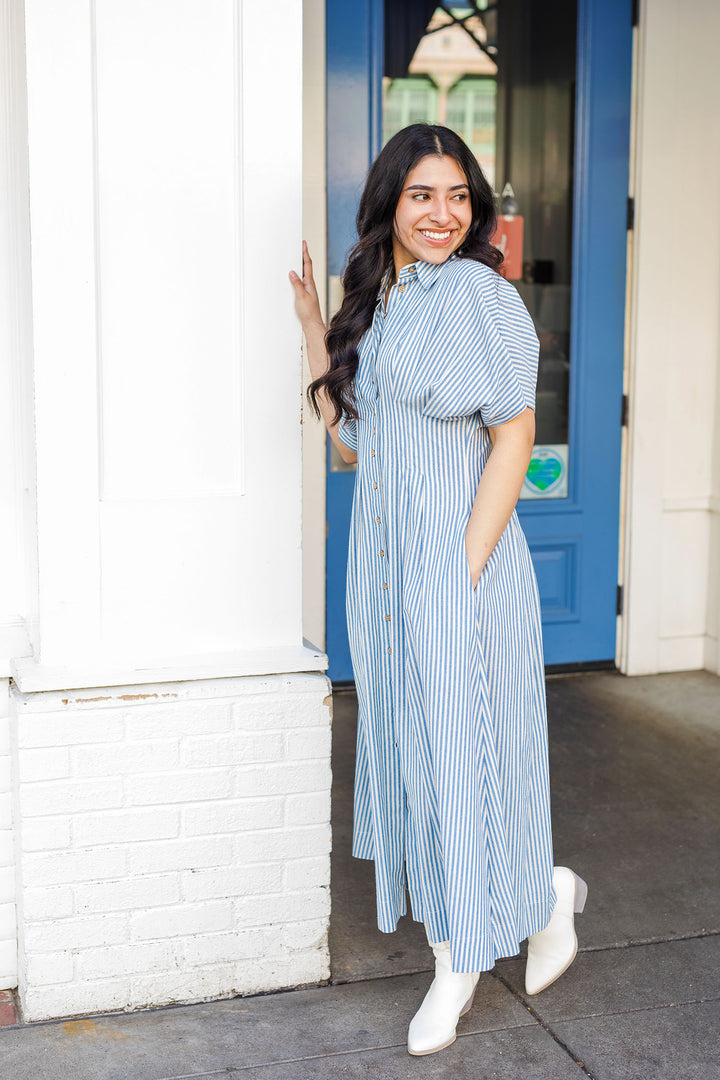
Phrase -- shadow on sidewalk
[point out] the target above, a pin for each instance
(636, 804)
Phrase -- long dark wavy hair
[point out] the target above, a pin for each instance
(373, 253)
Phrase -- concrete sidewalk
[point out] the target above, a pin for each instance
(636, 804)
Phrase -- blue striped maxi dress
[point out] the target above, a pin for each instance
(451, 795)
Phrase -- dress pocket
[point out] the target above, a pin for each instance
(468, 571)
(486, 573)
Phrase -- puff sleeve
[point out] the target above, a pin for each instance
(486, 352)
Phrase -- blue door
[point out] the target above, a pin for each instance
(541, 92)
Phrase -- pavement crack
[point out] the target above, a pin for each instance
(340, 980)
(641, 942)
(636, 1009)
(546, 1027)
(230, 1069)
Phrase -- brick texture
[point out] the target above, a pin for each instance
(7, 1009)
(173, 845)
(8, 925)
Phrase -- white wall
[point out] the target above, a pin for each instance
(315, 232)
(673, 551)
(712, 650)
(171, 824)
(165, 211)
(173, 841)
(8, 927)
(18, 568)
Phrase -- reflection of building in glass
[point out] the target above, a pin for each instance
(450, 81)
(506, 86)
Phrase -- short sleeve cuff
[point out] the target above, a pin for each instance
(347, 433)
(507, 410)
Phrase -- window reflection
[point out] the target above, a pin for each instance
(502, 74)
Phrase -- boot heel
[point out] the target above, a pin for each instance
(581, 891)
(468, 1004)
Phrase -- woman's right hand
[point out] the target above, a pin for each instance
(307, 307)
(307, 304)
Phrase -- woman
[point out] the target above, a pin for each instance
(426, 377)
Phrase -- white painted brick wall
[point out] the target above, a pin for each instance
(173, 842)
(8, 925)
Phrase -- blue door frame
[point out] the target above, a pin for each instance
(574, 540)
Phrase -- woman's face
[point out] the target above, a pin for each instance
(433, 214)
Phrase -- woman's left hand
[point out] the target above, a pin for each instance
(475, 569)
(499, 488)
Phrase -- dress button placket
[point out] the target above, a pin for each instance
(386, 625)
(387, 621)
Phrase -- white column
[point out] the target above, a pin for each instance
(165, 202)
(169, 815)
(315, 232)
(18, 572)
(673, 584)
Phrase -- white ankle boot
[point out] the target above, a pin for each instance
(449, 997)
(552, 950)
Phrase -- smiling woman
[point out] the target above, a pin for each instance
(434, 212)
(427, 375)
(386, 219)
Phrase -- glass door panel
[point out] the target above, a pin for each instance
(503, 76)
